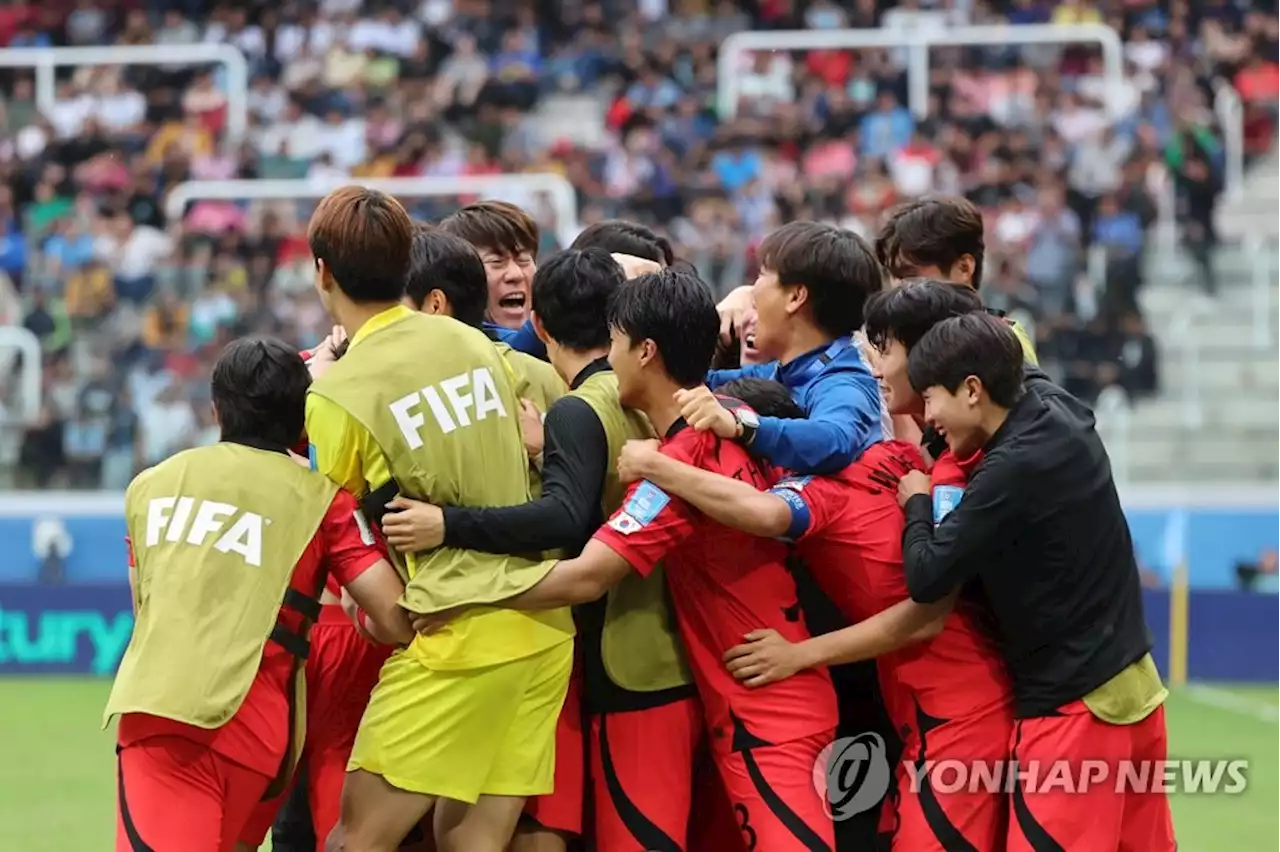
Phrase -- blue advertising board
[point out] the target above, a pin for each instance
(71, 630)
(82, 627)
(1211, 529)
(1231, 635)
(79, 630)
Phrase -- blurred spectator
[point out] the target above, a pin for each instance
(1193, 153)
(1259, 575)
(620, 98)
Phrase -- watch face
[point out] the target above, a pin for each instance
(748, 418)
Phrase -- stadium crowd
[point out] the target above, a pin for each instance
(129, 306)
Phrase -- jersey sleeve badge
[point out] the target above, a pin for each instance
(794, 483)
(624, 524)
(945, 500)
(645, 503)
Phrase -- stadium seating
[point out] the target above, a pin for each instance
(129, 304)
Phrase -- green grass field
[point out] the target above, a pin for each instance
(57, 781)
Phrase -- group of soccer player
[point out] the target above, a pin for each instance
(565, 555)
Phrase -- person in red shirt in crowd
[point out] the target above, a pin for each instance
(723, 583)
(191, 788)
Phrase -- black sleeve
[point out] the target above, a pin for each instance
(936, 561)
(575, 457)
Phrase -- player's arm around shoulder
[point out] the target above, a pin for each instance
(639, 535)
(585, 578)
(843, 407)
(727, 500)
(603, 563)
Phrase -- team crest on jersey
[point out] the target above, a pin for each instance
(624, 523)
(646, 502)
(945, 500)
(795, 483)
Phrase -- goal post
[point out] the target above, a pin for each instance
(559, 191)
(729, 73)
(45, 61)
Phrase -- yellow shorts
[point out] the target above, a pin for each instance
(466, 734)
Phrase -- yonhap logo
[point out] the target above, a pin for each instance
(852, 775)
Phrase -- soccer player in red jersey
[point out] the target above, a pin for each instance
(943, 683)
(1041, 527)
(342, 669)
(723, 583)
(192, 788)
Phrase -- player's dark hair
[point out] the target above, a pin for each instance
(931, 232)
(836, 266)
(675, 310)
(618, 236)
(765, 396)
(906, 312)
(259, 390)
(975, 344)
(728, 356)
(363, 237)
(571, 293)
(441, 261)
(494, 226)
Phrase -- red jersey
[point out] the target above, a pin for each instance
(723, 584)
(848, 528)
(257, 735)
(949, 477)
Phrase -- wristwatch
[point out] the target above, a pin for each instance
(748, 425)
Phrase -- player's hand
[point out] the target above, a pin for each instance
(299, 460)
(764, 658)
(701, 410)
(634, 267)
(735, 309)
(913, 483)
(411, 525)
(531, 428)
(436, 621)
(634, 460)
(324, 355)
(890, 471)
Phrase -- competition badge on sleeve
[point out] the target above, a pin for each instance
(945, 500)
(645, 504)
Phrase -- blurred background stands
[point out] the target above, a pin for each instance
(1108, 229)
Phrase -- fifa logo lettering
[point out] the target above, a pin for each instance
(180, 519)
(455, 402)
